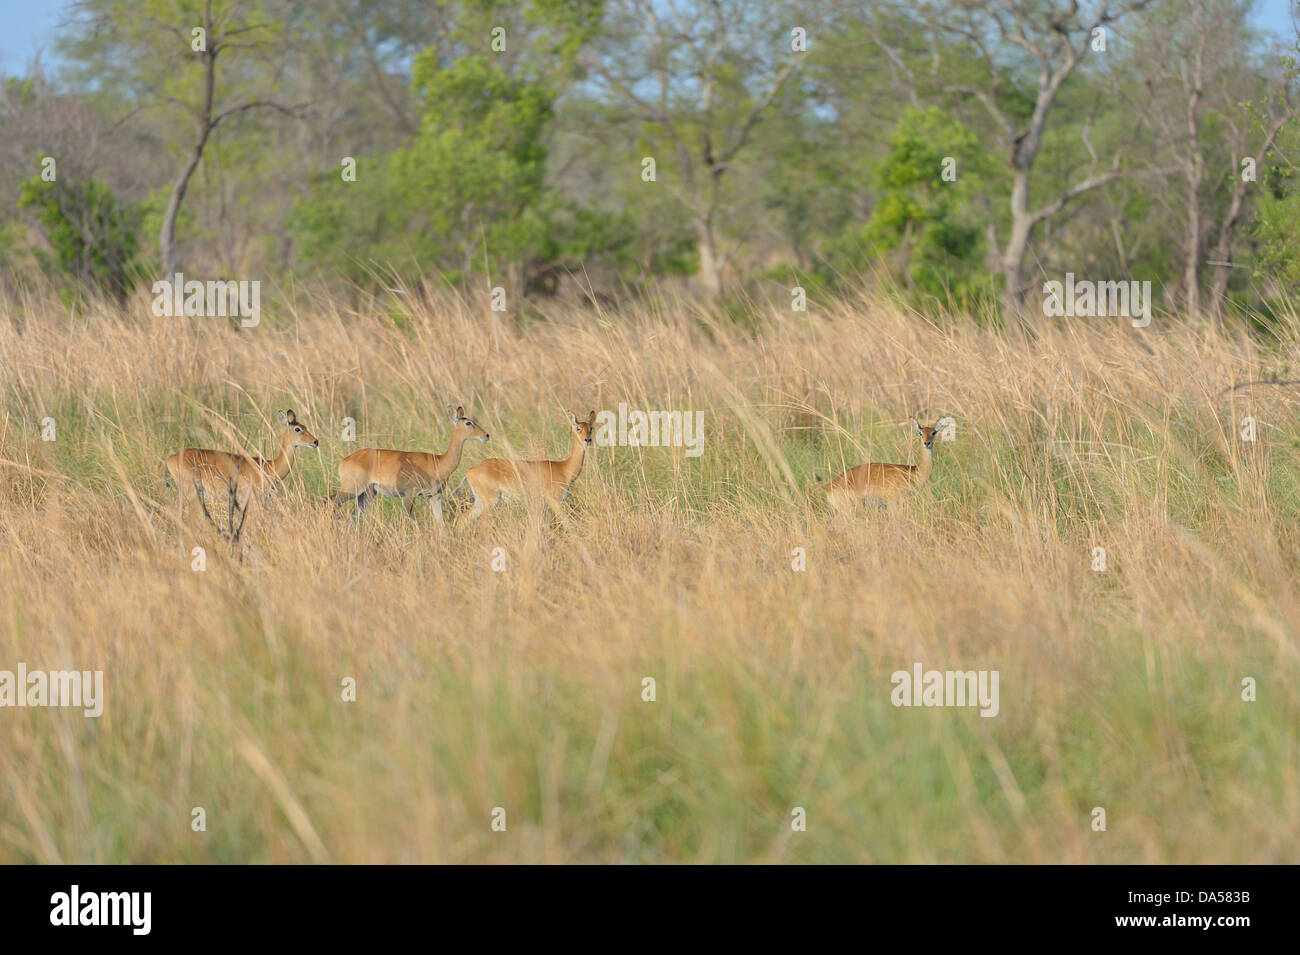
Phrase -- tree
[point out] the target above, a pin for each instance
(165, 53)
(1277, 114)
(93, 235)
(1014, 57)
(61, 176)
(1213, 107)
(693, 80)
(923, 218)
(470, 187)
(1277, 221)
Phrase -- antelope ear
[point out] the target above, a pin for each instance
(942, 424)
(460, 411)
(452, 414)
(291, 417)
(591, 419)
(572, 419)
(283, 418)
(916, 426)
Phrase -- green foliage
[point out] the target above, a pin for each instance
(469, 192)
(469, 186)
(922, 222)
(479, 162)
(93, 235)
(1277, 222)
(519, 162)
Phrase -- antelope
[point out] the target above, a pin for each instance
(408, 475)
(883, 482)
(496, 478)
(240, 475)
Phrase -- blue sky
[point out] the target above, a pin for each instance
(1272, 14)
(26, 25)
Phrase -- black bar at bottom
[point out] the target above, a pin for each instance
(332, 904)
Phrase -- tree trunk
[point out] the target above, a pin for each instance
(1222, 264)
(167, 235)
(1024, 153)
(1013, 255)
(710, 273)
(1223, 249)
(1195, 174)
(203, 118)
(1192, 253)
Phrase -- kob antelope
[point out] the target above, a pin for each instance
(496, 478)
(241, 477)
(408, 475)
(884, 482)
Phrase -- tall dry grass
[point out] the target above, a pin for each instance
(522, 689)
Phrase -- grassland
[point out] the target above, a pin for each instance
(522, 689)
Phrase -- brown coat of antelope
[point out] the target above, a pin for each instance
(883, 482)
(496, 478)
(241, 477)
(408, 475)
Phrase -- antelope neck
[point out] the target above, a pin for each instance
(927, 462)
(281, 465)
(451, 457)
(572, 465)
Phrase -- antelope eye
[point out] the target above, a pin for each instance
(299, 430)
